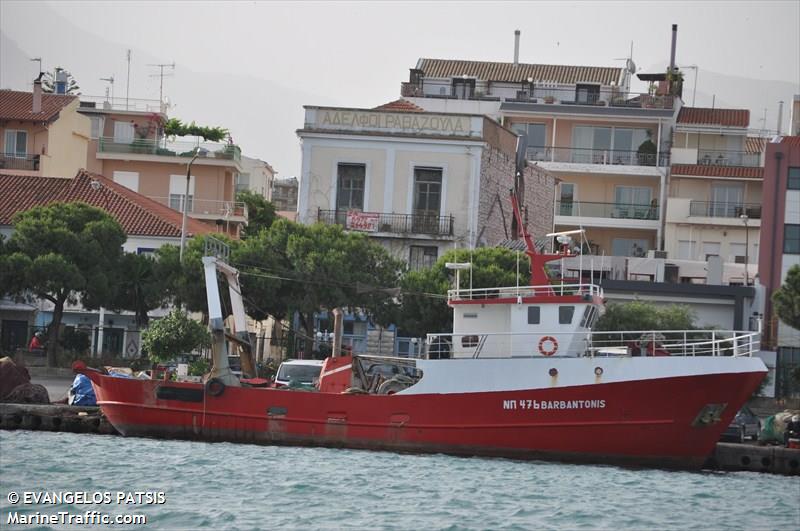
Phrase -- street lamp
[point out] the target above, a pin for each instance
(745, 218)
(198, 151)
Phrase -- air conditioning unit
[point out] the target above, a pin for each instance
(652, 253)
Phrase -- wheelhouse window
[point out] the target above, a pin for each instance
(534, 315)
(422, 257)
(350, 186)
(565, 314)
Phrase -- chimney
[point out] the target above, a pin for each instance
(780, 117)
(37, 95)
(516, 47)
(672, 52)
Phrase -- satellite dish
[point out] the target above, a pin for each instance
(630, 66)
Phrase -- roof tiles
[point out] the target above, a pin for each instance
(138, 215)
(494, 71)
(17, 105)
(400, 105)
(732, 172)
(719, 117)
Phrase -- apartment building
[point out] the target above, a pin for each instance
(715, 191)
(284, 194)
(128, 145)
(608, 147)
(256, 176)
(419, 182)
(42, 134)
(780, 249)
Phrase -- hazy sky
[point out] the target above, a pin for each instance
(250, 66)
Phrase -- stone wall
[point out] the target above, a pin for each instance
(495, 213)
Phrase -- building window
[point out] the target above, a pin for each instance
(633, 202)
(607, 145)
(537, 145)
(630, 247)
(565, 314)
(16, 144)
(463, 89)
(794, 179)
(123, 132)
(128, 179)
(242, 182)
(534, 315)
(177, 191)
(97, 126)
(427, 200)
(589, 94)
(350, 186)
(726, 200)
(566, 198)
(422, 257)
(791, 239)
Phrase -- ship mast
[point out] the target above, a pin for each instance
(538, 260)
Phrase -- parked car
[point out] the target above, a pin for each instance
(744, 425)
(302, 372)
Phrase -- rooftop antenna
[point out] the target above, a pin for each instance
(128, 85)
(161, 75)
(110, 81)
(630, 66)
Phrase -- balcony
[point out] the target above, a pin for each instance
(564, 95)
(589, 209)
(146, 146)
(122, 104)
(596, 156)
(206, 208)
(711, 209)
(389, 223)
(13, 161)
(707, 157)
(712, 157)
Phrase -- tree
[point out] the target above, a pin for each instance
(63, 252)
(49, 82)
(174, 127)
(138, 288)
(260, 213)
(421, 312)
(786, 299)
(308, 268)
(641, 315)
(173, 335)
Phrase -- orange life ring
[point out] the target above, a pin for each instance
(548, 352)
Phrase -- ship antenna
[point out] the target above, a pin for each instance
(538, 260)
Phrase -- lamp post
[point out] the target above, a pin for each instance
(745, 218)
(197, 153)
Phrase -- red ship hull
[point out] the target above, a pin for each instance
(643, 422)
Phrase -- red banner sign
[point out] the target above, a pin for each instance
(362, 221)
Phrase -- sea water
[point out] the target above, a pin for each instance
(237, 486)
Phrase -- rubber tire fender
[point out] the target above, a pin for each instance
(215, 387)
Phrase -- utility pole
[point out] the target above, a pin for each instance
(161, 75)
(128, 85)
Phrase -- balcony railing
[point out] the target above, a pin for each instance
(205, 207)
(145, 146)
(13, 161)
(122, 104)
(596, 156)
(392, 223)
(554, 94)
(712, 209)
(591, 209)
(708, 157)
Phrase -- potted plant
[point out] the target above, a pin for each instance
(647, 151)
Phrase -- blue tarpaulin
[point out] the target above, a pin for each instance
(81, 393)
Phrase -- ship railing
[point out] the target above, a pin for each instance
(524, 291)
(731, 343)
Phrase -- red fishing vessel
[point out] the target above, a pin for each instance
(522, 375)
